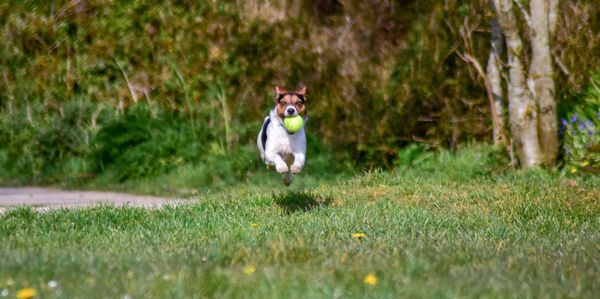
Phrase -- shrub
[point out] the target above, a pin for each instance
(581, 130)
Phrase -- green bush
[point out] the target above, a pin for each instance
(138, 145)
(38, 143)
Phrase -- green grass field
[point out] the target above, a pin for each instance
(446, 231)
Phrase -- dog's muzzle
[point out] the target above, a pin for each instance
(290, 111)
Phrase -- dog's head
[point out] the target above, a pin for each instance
(290, 103)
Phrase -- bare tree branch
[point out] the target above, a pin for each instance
(552, 17)
(525, 14)
(488, 87)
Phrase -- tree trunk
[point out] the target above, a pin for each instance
(542, 74)
(522, 109)
(495, 76)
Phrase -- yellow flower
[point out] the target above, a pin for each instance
(370, 279)
(585, 163)
(574, 170)
(25, 293)
(254, 224)
(249, 270)
(358, 235)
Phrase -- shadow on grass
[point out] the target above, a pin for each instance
(299, 201)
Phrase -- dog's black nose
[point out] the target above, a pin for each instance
(290, 110)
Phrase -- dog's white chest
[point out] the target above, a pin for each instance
(281, 142)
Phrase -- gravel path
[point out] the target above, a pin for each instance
(43, 199)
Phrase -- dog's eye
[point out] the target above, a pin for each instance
(299, 104)
(282, 103)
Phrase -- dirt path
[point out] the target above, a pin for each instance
(43, 199)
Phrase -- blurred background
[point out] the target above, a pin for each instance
(102, 93)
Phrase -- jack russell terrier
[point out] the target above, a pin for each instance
(278, 147)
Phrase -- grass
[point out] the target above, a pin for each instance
(426, 234)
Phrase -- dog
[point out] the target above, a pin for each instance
(279, 148)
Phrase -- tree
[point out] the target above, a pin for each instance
(541, 74)
(494, 75)
(531, 103)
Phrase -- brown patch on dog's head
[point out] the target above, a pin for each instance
(285, 99)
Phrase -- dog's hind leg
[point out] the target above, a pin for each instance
(287, 178)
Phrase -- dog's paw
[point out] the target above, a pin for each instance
(296, 169)
(282, 168)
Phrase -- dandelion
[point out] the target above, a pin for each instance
(370, 279)
(358, 235)
(25, 293)
(574, 170)
(254, 224)
(52, 284)
(585, 163)
(249, 270)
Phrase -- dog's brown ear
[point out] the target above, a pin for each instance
(301, 91)
(280, 90)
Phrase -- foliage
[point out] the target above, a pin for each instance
(479, 235)
(95, 147)
(381, 76)
(581, 143)
(581, 129)
(37, 143)
(138, 145)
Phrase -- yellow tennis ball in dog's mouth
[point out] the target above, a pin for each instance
(293, 123)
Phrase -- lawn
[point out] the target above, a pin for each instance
(443, 231)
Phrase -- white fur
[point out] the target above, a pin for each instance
(285, 151)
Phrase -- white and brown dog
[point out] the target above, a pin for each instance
(278, 147)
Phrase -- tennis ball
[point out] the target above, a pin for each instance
(293, 124)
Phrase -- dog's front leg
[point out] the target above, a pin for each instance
(280, 164)
(298, 162)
